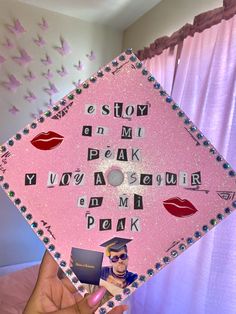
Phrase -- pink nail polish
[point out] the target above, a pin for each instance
(96, 297)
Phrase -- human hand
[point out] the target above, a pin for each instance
(52, 295)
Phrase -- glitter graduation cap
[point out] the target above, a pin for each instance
(117, 158)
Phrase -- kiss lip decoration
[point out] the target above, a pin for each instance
(96, 297)
(47, 141)
(179, 208)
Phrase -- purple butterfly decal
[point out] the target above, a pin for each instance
(30, 97)
(16, 28)
(39, 41)
(51, 90)
(48, 75)
(64, 49)
(36, 115)
(33, 115)
(2, 59)
(13, 110)
(12, 84)
(43, 25)
(62, 72)
(30, 76)
(49, 103)
(77, 84)
(23, 58)
(79, 66)
(91, 56)
(7, 44)
(47, 60)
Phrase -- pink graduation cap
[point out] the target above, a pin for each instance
(117, 158)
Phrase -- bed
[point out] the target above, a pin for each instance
(16, 285)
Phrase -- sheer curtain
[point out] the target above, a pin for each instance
(163, 67)
(203, 279)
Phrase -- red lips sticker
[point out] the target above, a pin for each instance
(179, 208)
(47, 141)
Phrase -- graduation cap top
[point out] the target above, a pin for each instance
(175, 185)
(115, 244)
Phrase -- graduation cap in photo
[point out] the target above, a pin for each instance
(86, 264)
(115, 244)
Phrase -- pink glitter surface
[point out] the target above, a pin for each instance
(168, 146)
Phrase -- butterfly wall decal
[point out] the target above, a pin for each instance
(30, 76)
(48, 75)
(77, 84)
(33, 115)
(23, 59)
(43, 24)
(79, 66)
(51, 90)
(36, 115)
(7, 43)
(12, 84)
(62, 72)
(16, 28)
(30, 97)
(13, 110)
(49, 103)
(64, 49)
(39, 41)
(2, 59)
(91, 56)
(47, 60)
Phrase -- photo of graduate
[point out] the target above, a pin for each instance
(87, 265)
(117, 272)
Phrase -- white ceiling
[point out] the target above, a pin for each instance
(115, 13)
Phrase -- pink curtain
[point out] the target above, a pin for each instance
(205, 83)
(163, 67)
(203, 279)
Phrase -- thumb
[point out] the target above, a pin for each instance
(48, 268)
(88, 305)
(96, 297)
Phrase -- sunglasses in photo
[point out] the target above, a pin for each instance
(115, 258)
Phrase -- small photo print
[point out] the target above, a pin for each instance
(117, 272)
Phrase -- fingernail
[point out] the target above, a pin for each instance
(96, 297)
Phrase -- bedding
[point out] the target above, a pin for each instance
(16, 288)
